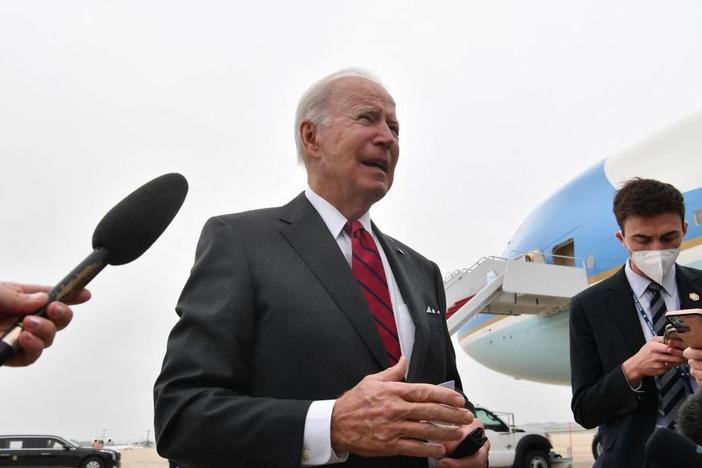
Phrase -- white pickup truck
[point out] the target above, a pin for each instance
(514, 447)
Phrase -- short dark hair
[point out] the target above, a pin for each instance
(647, 197)
(689, 418)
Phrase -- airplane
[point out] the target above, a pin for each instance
(510, 313)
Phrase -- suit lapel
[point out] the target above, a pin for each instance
(401, 269)
(687, 284)
(307, 234)
(626, 316)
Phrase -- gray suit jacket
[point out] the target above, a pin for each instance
(604, 332)
(271, 319)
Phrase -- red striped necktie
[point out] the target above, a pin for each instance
(368, 269)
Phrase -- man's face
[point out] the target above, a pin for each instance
(358, 145)
(658, 232)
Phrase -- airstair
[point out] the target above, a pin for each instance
(526, 284)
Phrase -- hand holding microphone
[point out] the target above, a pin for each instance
(126, 232)
(18, 300)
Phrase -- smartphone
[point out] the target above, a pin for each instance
(470, 444)
(688, 325)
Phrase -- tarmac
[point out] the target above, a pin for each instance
(576, 443)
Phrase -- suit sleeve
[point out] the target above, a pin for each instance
(450, 352)
(598, 396)
(205, 414)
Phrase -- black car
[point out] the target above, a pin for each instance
(35, 451)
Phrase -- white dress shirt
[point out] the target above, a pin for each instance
(317, 448)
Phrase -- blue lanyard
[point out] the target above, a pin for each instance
(683, 370)
(644, 315)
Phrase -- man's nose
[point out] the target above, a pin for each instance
(385, 135)
(657, 244)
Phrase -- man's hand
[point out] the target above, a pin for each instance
(676, 346)
(478, 460)
(17, 300)
(694, 359)
(654, 358)
(383, 416)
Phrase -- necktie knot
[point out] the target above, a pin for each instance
(654, 287)
(352, 228)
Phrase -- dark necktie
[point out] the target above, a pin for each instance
(670, 385)
(367, 267)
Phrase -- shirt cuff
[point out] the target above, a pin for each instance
(636, 388)
(316, 445)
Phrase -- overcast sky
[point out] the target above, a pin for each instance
(500, 103)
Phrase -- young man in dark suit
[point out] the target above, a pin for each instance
(306, 335)
(625, 378)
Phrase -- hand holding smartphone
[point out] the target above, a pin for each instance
(470, 444)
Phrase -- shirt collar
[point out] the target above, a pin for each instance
(334, 220)
(639, 283)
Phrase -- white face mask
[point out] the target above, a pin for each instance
(654, 263)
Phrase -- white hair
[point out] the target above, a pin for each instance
(313, 103)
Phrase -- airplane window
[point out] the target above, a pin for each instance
(698, 217)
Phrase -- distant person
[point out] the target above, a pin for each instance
(300, 324)
(17, 300)
(689, 420)
(624, 378)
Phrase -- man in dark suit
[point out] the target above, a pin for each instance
(625, 378)
(306, 335)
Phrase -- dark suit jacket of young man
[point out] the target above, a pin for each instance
(271, 319)
(605, 331)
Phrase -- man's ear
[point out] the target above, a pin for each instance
(684, 228)
(309, 138)
(619, 236)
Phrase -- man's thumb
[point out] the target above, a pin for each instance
(395, 373)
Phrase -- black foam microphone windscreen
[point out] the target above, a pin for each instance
(673, 450)
(135, 223)
(122, 235)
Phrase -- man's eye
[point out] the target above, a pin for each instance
(365, 117)
(395, 130)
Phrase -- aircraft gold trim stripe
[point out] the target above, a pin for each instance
(688, 244)
(603, 275)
